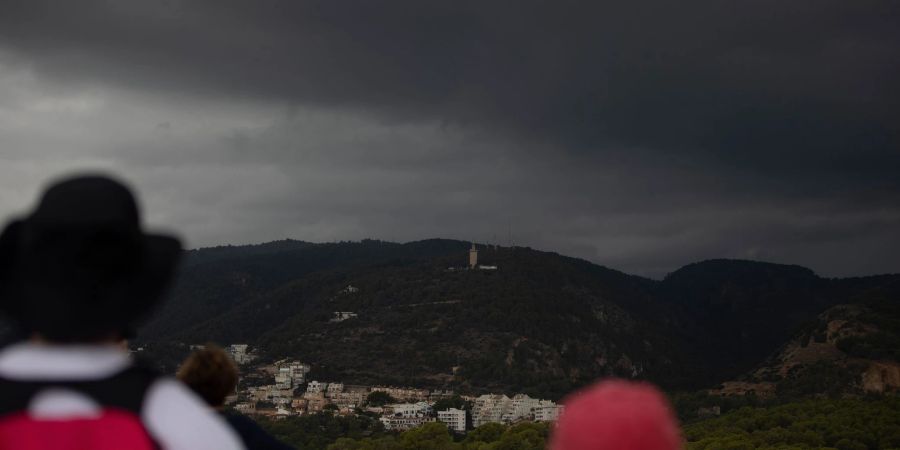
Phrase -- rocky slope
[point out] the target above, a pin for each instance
(851, 348)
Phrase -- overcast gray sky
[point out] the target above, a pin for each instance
(639, 135)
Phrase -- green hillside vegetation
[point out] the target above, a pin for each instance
(845, 424)
(435, 436)
(324, 430)
(871, 423)
(317, 431)
(882, 313)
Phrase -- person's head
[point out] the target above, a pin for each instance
(210, 373)
(79, 268)
(617, 415)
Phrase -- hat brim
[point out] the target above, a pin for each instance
(161, 256)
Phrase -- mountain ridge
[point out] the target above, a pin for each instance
(542, 322)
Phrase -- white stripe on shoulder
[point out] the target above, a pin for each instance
(30, 361)
(179, 420)
(60, 404)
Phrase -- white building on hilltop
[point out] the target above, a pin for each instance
(315, 387)
(454, 418)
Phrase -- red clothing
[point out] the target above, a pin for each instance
(617, 415)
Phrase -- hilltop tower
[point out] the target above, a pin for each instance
(473, 256)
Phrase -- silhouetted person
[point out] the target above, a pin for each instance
(617, 415)
(74, 274)
(213, 375)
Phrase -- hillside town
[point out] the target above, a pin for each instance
(283, 389)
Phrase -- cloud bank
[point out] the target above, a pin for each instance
(641, 136)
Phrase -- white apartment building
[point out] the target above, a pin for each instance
(298, 373)
(490, 408)
(454, 418)
(547, 411)
(521, 407)
(283, 378)
(314, 387)
(502, 409)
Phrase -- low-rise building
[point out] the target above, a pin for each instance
(245, 407)
(315, 402)
(438, 394)
(405, 394)
(299, 405)
(315, 387)
(349, 399)
(408, 409)
(399, 423)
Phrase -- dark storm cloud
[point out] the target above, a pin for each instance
(636, 129)
(742, 81)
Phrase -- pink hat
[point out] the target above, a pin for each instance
(617, 415)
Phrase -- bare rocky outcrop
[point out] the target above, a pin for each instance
(881, 377)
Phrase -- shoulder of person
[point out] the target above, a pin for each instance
(178, 419)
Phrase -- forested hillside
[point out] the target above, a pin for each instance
(540, 323)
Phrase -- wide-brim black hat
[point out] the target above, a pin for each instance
(79, 267)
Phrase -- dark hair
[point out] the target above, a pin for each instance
(210, 373)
